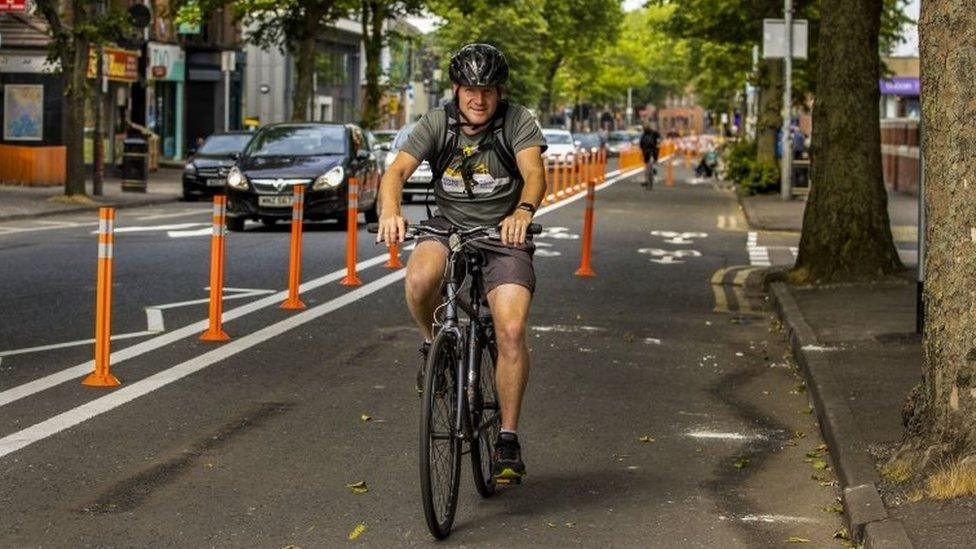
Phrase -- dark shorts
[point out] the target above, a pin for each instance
(503, 264)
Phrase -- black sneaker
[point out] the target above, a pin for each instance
(508, 466)
(424, 351)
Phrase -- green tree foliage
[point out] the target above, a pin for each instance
(516, 27)
(373, 13)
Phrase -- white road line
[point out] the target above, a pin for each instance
(56, 424)
(151, 228)
(169, 215)
(742, 276)
(16, 230)
(776, 518)
(60, 422)
(722, 436)
(191, 233)
(83, 369)
(67, 344)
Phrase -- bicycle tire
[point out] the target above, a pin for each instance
(440, 446)
(484, 407)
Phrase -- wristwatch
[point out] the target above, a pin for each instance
(527, 207)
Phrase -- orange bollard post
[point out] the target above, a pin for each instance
(352, 233)
(687, 155)
(102, 375)
(216, 332)
(603, 164)
(585, 269)
(564, 182)
(670, 178)
(295, 263)
(394, 261)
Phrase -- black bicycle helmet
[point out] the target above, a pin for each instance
(478, 65)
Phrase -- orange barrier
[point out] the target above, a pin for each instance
(102, 376)
(295, 261)
(32, 165)
(670, 178)
(564, 184)
(216, 332)
(394, 261)
(585, 269)
(688, 156)
(352, 232)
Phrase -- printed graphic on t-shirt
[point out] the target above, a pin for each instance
(452, 182)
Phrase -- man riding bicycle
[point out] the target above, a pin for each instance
(486, 158)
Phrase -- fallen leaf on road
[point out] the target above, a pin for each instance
(553, 524)
(357, 531)
(795, 539)
(842, 534)
(820, 464)
(835, 508)
(570, 525)
(367, 417)
(798, 434)
(645, 438)
(741, 463)
(358, 488)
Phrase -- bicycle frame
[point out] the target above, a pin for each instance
(472, 337)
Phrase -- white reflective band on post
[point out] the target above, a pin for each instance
(104, 251)
(296, 214)
(106, 226)
(218, 209)
(219, 230)
(299, 198)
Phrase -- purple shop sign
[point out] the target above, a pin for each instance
(900, 85)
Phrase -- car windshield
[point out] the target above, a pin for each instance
(225, 144)
(402, 135)
(299, 141)
(588, 139)
(558, 138)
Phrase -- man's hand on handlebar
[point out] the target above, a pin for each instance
(391, 229)
(514, 228)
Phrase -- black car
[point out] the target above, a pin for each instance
(320, 156)
(206, 171)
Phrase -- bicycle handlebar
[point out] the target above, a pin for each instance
(490, 232)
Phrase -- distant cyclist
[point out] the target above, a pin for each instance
(486, 159)
(648, 145)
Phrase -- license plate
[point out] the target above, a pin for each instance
(275, 201)
(215, 182)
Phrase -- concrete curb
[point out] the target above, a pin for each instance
(108, 204)
(753, 218)
(866, 515)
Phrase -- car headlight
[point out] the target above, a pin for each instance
(190, 169)
(330, 179)
(236, 179)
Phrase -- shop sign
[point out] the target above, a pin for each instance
(167, 62)
(118, 64)
(901, 85)
(27, 63)
(10, 6)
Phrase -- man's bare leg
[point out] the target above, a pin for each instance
(425, 274)
(510, 310)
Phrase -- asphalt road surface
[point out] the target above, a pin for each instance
(252, 443)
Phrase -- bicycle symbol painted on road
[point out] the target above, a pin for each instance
(673, 237)
(668, 257)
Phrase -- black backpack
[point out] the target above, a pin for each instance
(493, 139)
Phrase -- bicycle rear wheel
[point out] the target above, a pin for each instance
(486, 420)
(440, 445)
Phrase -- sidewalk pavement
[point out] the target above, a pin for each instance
(22, 202)
(769, 212)
(860, 355)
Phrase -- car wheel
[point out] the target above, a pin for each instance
(269, 221)
(188, 196)
(235, 224)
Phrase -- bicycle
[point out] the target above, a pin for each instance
(459, 399)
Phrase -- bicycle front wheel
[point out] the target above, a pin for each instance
(440, 444)
(486, 421)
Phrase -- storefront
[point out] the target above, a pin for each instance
(214, 91)
(31, 97)
(120, 68)
(165, 77)
(900, 97)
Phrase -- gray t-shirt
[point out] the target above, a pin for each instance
(497, 192)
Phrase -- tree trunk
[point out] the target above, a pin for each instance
(846, 232)
(305, 66)
(545, 102)
(770, 118)
(943, 425)
(74, 76)
(373, 16)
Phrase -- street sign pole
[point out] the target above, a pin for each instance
(786, 156)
